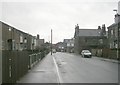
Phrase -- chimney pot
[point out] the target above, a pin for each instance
(99, 27)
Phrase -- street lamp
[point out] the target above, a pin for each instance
(115, 10)
(117, 34)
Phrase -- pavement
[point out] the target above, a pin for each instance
(103, 59)
(106, 59)
(43, 72)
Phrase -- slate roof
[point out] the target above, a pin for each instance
(114, 24)
(89, 32)
(66, 40)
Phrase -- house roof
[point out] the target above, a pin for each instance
(89, 32)
(113, 25)
(68, 40)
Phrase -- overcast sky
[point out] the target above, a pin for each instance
(40, 16)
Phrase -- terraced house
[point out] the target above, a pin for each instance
(114, 38)
(69, 45)
(15, 49)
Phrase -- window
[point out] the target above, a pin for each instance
(111, 32)
(68, 44)
(25, 40)
(101, 41)
(9, 28)
(112, 45)
(21, 39)
(116, 32)
(116, 45)
(72, 45)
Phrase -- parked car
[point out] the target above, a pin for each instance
(54, 50)
(86, 53)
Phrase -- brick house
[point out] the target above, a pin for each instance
(94, 40)
(15, 49)
(39, 42)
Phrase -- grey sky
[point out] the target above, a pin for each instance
(119, 7)
(40, 16)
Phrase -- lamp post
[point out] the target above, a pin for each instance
(117, 34)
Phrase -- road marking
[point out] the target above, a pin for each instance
(58, 73)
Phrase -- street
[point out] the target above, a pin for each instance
(72, 68)
(75, 69)
(60, 42)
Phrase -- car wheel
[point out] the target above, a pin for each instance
(84, 56)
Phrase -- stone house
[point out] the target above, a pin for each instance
(69, 45)
(114, 38)
(60, 47)
(94, 40)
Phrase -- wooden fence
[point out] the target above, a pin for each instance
(15, 64)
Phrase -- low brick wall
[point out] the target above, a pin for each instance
(113, 53)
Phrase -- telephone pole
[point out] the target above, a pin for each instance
(51, 41)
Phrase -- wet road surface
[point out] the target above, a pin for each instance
(71, 68)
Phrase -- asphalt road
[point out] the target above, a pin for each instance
(75, 69)
(71, 68)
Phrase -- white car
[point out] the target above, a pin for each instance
(53, 50)
(86, 53)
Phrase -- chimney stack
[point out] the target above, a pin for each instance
(38, 37)
(117, 18)
(76, 29)
(103, 29)
(99, 27)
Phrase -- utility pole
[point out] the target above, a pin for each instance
(51, 41)
(118, 47)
